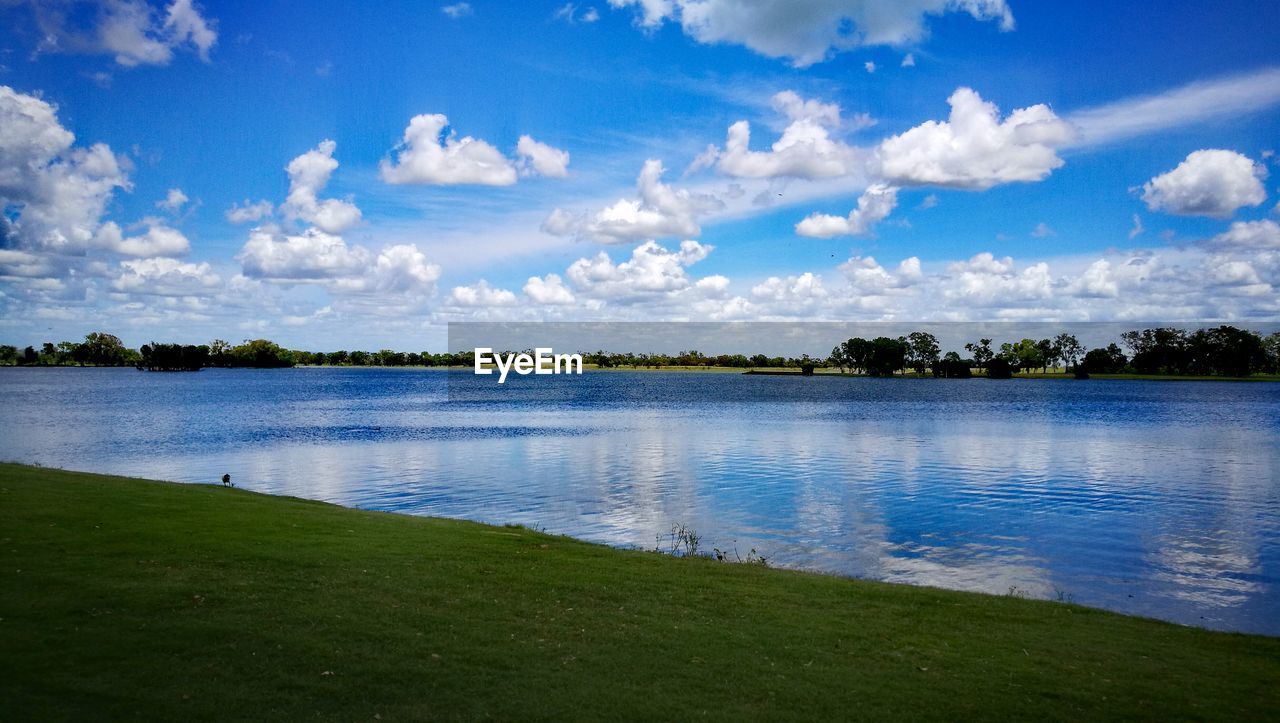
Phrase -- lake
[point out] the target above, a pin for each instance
(1151, 498)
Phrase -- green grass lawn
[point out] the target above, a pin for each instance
(123, 598)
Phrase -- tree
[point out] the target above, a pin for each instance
(952, 367)
(8, 354)
(1272, 346)
(261, 354)
(886, 356)
(1048, 353)
(1069, 349)
(857, 353)
(837, 357)
(1108, 360)
(1029, 355)
(104, 349)
(982, 354)
(922, 351)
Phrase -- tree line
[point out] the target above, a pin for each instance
(1218, 351)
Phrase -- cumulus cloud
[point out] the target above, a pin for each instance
(308, 175)
(174, 200)
(1212, 183)
(165, 277)
(651, 270)
(549, 289)
(429, 155)
(52, 191)
(985, 279)
(541, 159)
(658, 211)
(132, 31)
(400, 269)
(974, 149)
(1261, 235)
(805, 149)
(480, 295)
(310, 255)
(808, 31)
(874, 205)
(457, 10)
(158, 240)
(248, 211)
(867, 276)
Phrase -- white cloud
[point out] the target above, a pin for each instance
(541, 159)
(1211, 183)
(974, 149)
(1244, 235)
(59, 191)
(874, 205)
(398, 269)
(159, 240)
(165, 277)
(549, 290)
(249, 211)
(805, 149)
(427, 156)
(457, 10)
(866, 276)
(870, 66)
(311, 255)
(1235, 95)
(658, 211)
(1042, 230)
(1137, 229)
(984, 279)
(308, 175)
(569, 13)
(808, 31)
(480, 295)
(651, 270)
(174, 200)
(909, 61)
(130, 30)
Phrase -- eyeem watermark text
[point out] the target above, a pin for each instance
(542, 361)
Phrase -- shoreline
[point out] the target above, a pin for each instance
(123, 595)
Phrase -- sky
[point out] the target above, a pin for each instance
(358, 175)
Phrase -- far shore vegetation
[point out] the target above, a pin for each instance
(128, 599)
(1222, 352)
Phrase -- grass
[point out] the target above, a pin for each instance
(124, 598)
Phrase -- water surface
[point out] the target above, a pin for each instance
(1152, 498)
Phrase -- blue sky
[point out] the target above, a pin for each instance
(1103, 161)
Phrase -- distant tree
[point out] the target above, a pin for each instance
(103, 349)
(1272, 346)
(1162, 350)
(8, 354)
(837, 357)
(982, 354)
(1069, 349)
(359, 358)
(261, 354)
(1105, 360)
(922, 351)
(29, 357)
(999, 368)
(857, 353)
(1048, 353)
(1225, 350)
(1029, 355)
(886, 356)
(951, 366)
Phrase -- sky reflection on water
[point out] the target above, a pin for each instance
(1159, 499)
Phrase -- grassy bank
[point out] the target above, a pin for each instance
(127, 598)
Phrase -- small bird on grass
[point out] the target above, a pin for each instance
(226, 481)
